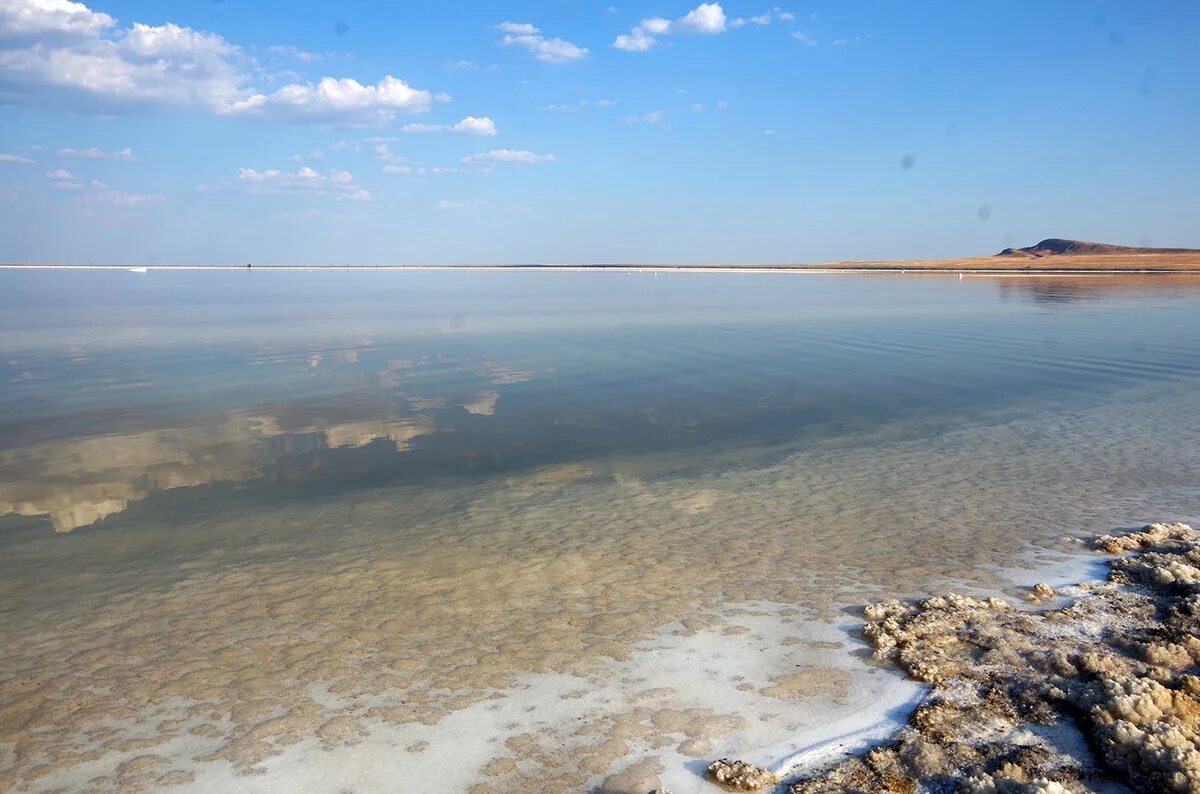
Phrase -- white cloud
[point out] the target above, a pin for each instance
(775, 14)
(637, 40)
(471, 125)
(523, 34)
(315, 154)
(117, 198)
(164, 65)
(419, 170)
(465, 65)
(312, 213)
(92, 153)
(507, 156)
(804, 38)
(336, 183)
(335, 101)
(653, 117)
(382, 152)
(295, 52)
(475, 125)
(443, 204)
(704, 19)
(517, 28)
(16, 159)
(94, 193)
(583, 103)
(660, 116)
(19, 18)
(61, 53)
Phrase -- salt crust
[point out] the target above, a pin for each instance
(1014, 691)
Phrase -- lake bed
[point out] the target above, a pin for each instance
(536, 531)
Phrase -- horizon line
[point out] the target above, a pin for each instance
(863, 266)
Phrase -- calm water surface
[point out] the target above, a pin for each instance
(533, 531)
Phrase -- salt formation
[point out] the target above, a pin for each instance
(739, 775)
(1043, 590)
(1019, 696)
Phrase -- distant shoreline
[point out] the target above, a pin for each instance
(865, 268)
(1056, 256)
(1120, 263)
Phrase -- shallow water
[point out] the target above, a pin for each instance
(534, 531)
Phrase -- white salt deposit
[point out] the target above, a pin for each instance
(719, 687)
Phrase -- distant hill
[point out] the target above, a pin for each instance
(1055, 246)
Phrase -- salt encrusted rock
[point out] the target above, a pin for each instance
(1150, 535)
(986, 784)
(1119, 664)
(1043, 590)
(739, 775)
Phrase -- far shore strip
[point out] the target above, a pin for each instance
(1061, 265)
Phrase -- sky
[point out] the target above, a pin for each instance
(427, 132)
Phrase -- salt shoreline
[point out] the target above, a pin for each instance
(824, 749)
(688, 688)
(1096, 694)
(673, 663)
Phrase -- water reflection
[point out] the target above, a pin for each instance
(382, 407)
(1051, 290)
(78, 469)
(80, 481)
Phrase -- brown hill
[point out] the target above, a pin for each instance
(1055, 246)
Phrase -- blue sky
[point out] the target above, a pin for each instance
(428, 132)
